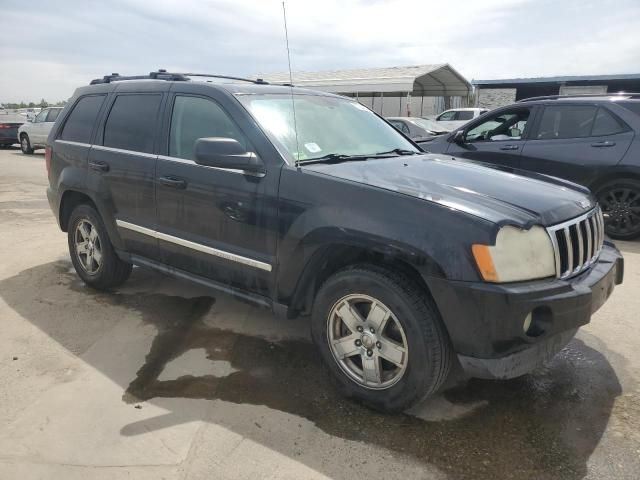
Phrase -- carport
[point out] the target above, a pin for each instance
(418, 90)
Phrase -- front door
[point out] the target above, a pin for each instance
(37, 130)
(576, 142)
(216, 223)
(497, 139)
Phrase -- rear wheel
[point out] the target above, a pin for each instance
(25, 144)
(91, 251)
(620, 202)
(381, 337)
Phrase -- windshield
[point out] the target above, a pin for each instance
(325, 126)
(429, 125)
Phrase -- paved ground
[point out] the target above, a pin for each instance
(162, 379)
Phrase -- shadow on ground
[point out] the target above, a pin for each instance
(543, 425)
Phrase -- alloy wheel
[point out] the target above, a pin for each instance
(621, 209)
(88, 247)
(367, 341)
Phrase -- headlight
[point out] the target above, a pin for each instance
(517, 255)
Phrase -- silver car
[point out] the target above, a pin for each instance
(33, 134)
(417, 129)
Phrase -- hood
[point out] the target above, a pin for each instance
(499, 195)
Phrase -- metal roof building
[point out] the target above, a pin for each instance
(494, 93)
(389, 91)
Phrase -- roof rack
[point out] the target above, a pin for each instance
(626, 95)
(162, 74)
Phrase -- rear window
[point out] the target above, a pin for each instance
(131, 123)
(607, 124)
(80, 122)
(566, 121)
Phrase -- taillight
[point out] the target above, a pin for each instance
(4, 125)
(47, 159)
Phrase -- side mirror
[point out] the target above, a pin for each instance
(457, 137)
(226, 153)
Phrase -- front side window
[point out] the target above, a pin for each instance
(79, 124)
(197, 117)
(53, 114)
(508, 125)
(131, 124)
(323, 125)
(447, 116)
(41, 116)
(566, 121)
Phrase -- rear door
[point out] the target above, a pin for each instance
(497, 139)
(576, 142)
(122, 164)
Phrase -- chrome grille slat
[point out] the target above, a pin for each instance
(577, 243)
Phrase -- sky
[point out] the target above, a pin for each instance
(48, 48)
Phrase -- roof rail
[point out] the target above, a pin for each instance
(626, 95)
(162, 74)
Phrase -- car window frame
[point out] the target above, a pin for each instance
(97, 122)
(598, 106)
(533, 117)
(168, 118)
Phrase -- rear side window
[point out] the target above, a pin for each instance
(53, 114)
(194, 118)
(131, 124)
(464, 115)
(607, 124)
(570, 121)
(80, 122)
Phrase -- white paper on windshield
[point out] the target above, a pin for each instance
(312, 147)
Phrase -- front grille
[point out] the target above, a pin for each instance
(577, 243)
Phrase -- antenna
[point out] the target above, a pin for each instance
(293, 103)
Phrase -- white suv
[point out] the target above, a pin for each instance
(456, 117)
(33, 134)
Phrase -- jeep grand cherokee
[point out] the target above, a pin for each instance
(310, 204)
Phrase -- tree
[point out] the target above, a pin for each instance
(43, 103)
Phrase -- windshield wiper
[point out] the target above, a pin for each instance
(341, 157)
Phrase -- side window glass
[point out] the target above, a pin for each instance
(193, 118)
(464, 115)
(508, 125)
(41, 116)
(79, 124)
(131, 124)
(447, 116)
(53, 114)
(606, 124)
(566, 121)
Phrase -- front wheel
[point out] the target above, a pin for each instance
(91, 251)
(381, 337)
(25, 144)
(620, 203)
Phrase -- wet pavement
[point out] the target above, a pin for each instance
(162, 378)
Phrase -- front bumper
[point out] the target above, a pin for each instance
(486, 321)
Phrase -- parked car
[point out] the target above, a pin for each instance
(401, 259)
(33, 134)
(416, 128)
(590, 140)
(457, 117)
(9, 124)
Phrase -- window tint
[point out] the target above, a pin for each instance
(464, 115)
(132, 122)
(53, 114)
(606, 124)
(41, 116)
(195, 118)
(80, 122)
(566, 121)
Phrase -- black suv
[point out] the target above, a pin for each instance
(591, 140)
(309, 203)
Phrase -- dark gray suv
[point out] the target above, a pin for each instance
(590, 140)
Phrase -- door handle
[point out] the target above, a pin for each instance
(603, 144)
(509, 147)
(173, 182)
(99, 166)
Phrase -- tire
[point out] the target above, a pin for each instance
(414, 327)
(25, 144)
(620, 202)
(87, 236)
